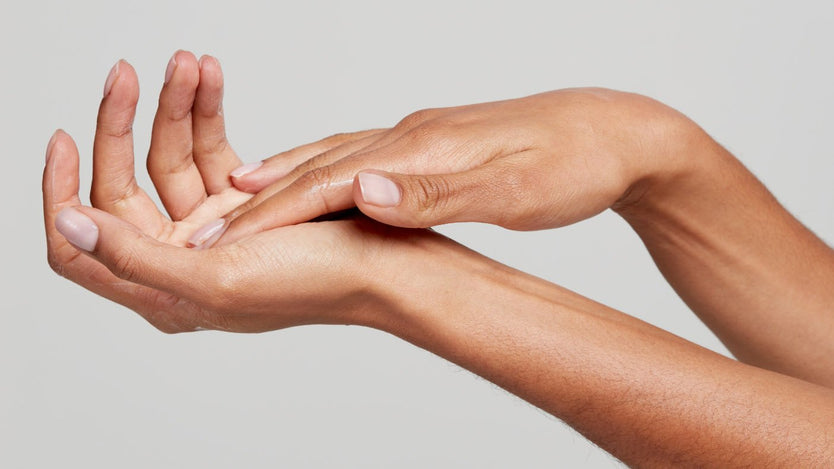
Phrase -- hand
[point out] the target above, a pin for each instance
(538, 162)
(136, 256)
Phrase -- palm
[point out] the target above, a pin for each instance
(215, 206)
(189, 163)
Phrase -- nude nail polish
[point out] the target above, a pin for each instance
(172, 65)
(79, 229)
(111, 78)
(379, 190)
(246, 169)
(51, 144)
(205, 232)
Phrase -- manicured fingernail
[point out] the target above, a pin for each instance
(246, 169)
(172, 65)
(111, 78)
(51, 144)
(79, 229)
(378, 190)
(207, 231)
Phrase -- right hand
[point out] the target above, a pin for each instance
(538, 162)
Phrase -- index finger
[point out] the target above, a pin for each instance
(318, 191)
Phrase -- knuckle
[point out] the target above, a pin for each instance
(318, 177)
(437, 135)
(126, 265)
(430, 194)
(215, 145)
(339, 138)
(416, 118)
(118, 130)
(309, 165)
(55, 263)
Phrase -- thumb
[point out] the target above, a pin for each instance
(421, 201)
(127, 252)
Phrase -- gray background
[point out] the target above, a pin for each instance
(86, 383)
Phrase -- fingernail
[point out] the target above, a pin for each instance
(51, 144)
(79, 229)
(172, 65)
(111, 78)
(378, 190)
(246, 169)
(204, 58)
(207, 231)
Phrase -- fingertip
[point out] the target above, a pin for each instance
(377, 189)
(209, 100)
(60, 175)
(60, 143)
(245, 177)
(169, 70)
(78, 228)
(112, 76)
(210, 64)
(182, 69)
(255, 177)
(206, 235)
(122, 85)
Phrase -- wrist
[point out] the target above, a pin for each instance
(682, 162)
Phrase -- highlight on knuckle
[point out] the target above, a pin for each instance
(416, 118)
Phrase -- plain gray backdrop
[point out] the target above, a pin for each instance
(87, 383)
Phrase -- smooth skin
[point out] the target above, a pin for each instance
(759, 279)
(647, 396)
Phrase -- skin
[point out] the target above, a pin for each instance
(647, 396)
(760, 280)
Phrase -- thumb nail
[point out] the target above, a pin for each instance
(79, 229)
(379, 190)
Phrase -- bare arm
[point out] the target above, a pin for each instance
(758, 278)
(646, 396)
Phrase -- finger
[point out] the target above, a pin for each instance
(114, 187)
(213, 156)
(324, 159)
(493, 193)
(60, 190)
(255, 177)
(327, 189)
(130, 254)
(170, 162)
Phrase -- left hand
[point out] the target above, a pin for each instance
(126, 250)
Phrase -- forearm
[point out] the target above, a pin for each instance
(648, 397)
(758, 278)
